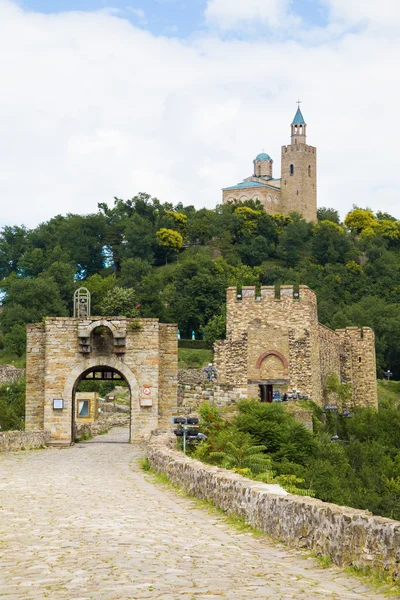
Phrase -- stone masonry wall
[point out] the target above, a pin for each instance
(359, 347)
(168, 374)
(329, 352)
(12, 441)
(348, 536)
(299, 191)
(35, 367)
(10, 374)
(55, 364)
(286, 325)
(265, 331)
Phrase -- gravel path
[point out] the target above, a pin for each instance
(85, 523)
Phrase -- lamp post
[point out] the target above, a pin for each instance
(388, 374)
(188, 430)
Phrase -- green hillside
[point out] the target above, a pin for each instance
(143, 257)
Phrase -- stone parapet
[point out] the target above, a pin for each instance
(12, 441)
(348, 536)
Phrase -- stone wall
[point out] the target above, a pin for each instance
(274, 338)
(348, 536)
(329, 353)
(62, 350)
(12, 441)
(102, 425)
(35, 369)
(283, 326)
(359, 364)
(10, 374)
(168, 374)
(299, 190)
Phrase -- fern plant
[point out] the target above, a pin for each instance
(244, 456)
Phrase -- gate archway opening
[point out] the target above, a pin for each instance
(101, 389)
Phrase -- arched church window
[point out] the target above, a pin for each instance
(292, 169)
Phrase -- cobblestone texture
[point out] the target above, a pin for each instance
(85, 523)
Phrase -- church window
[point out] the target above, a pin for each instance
(309, 170)
(297, 192)
(292, 169)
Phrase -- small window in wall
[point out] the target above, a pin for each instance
(292, 169)
(83, 408)
(309, 170)
(359, 359)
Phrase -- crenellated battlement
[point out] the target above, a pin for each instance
(357, 333)
(266, 294)
(299, 148)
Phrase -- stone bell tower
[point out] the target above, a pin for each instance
(299, 172)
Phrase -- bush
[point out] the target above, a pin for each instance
(12, 406)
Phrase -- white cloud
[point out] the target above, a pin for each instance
(92, 107)
(231, 14)
(385, 13)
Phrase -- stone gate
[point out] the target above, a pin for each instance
(63, 351)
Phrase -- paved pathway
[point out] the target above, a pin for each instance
(85, 523)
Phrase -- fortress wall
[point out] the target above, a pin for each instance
(329, 350)
(35, 365)
(285, 324)
(359, 364)
(348, 536)
(168, 373)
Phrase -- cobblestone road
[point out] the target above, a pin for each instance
(85, 523)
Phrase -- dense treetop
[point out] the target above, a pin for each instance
(177, 261)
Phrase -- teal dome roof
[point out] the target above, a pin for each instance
(262, 156)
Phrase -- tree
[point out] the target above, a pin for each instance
(120, 302)
(15, 340)
(99, 287)
(359, 219)
(29, 300)
(13, 244)
(132, 272)
(328, 214)
(293, 242)
(330, 243)
(215, 328)
(169, 239)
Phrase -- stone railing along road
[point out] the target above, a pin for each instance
(11, 441)
(348, 536)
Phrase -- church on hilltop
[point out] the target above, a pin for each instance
(296, 190)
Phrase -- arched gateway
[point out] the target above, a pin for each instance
(62, 351)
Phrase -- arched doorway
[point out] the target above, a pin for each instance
(103, 369)
(102, 392)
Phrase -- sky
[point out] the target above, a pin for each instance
(176, 97)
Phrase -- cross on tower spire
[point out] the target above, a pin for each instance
(298, 103)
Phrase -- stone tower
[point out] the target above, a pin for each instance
(299, 172)
(263, 166)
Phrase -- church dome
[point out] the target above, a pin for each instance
(262, 156)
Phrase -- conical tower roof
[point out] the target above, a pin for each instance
(298, 118)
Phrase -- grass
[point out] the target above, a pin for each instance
(8, 358)
(194, 359)
(380, 580)
(388, 392)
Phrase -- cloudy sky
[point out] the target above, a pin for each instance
(175, 98)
